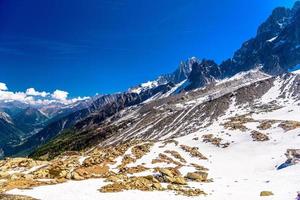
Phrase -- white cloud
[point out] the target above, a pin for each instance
(31, 96)
(33, 92)
(3, 86)
(7, 95)
(60, 95)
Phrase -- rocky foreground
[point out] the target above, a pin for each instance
(116, 165)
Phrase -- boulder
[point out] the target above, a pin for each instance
(76, 176)
(4, 175)
(178, 180)
(197, 176)
(166, 172)
(266, 193)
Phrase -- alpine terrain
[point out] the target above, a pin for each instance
(205, 131)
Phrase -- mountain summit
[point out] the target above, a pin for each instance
(275, 47)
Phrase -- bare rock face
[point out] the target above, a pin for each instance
(202, 74)
(273, 47)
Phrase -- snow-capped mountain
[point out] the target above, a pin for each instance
(181, 145)
(180, 74)
(194, 110)
(4, 116)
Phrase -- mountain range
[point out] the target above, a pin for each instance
(274, 51)
(233, 121)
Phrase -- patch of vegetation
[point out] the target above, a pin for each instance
(54, 147)
(74, 140)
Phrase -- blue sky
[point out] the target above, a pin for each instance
(104, 46)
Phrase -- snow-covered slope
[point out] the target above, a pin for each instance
(6, 117)
(237, 137)
(240, 171)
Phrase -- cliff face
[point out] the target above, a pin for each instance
(275, 47)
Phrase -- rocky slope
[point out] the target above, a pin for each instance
(167, 117)
(209, 142)
(102, 107)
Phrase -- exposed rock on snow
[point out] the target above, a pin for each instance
(266, 193)
(14, 197)
(258, 136)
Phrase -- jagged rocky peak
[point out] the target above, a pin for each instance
(278, 20)
(276, 46)
(181, 73)
(203, 73)
(296, 7)
(184, 69)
